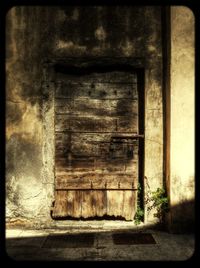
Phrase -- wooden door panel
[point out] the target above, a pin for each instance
(96, 154)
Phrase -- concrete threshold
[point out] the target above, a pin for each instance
(29, 244)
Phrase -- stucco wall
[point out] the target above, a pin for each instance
(182, 117)
(38, 33)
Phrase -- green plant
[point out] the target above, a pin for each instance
(139, 215)
(159, 201)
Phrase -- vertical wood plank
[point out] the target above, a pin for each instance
(86, 204)
(114, 202)
(77, 204)
(70, 203)
(129, 204)
(60, 206)
(73, 203)
(101, 207)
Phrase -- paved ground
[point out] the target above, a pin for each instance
(35, 244)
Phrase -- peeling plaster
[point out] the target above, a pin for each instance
(27, 125)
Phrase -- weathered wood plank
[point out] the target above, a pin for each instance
(90, 144)
(64, 137)
(90, 149)
(115, 203)
(74, 164)
(97, 124)
(96, 90)
(99, 150)
(74, 199)
(60, 206)
(87, 124)
(129, 123)
(114, 165)
(96, 107)
(86, 180)
(129, 204)
(91, 203)
(101, 203)
(115, 76)
(132, 166)
(98, 165)
(110, 166)
(122, 203)
(87, 204)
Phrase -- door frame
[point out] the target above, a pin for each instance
(75, 65)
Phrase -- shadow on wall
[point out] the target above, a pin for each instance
(183, 217)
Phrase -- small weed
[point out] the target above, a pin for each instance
(139, 216)
(158, 200)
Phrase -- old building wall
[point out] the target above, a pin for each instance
(26, 189)
(35, 34)
(182, 118)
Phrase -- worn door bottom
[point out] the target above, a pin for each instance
(86, 204)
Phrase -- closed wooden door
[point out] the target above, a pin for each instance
(96, 145)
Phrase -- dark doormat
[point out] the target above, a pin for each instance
(69, 241)
(133, 238)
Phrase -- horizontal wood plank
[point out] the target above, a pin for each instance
(95, 138)
(81, 145)
(74, 164)
(96, 107)
(114, 76)
(96, 124)
(96, 181)
(96, 90)
(98, 164)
